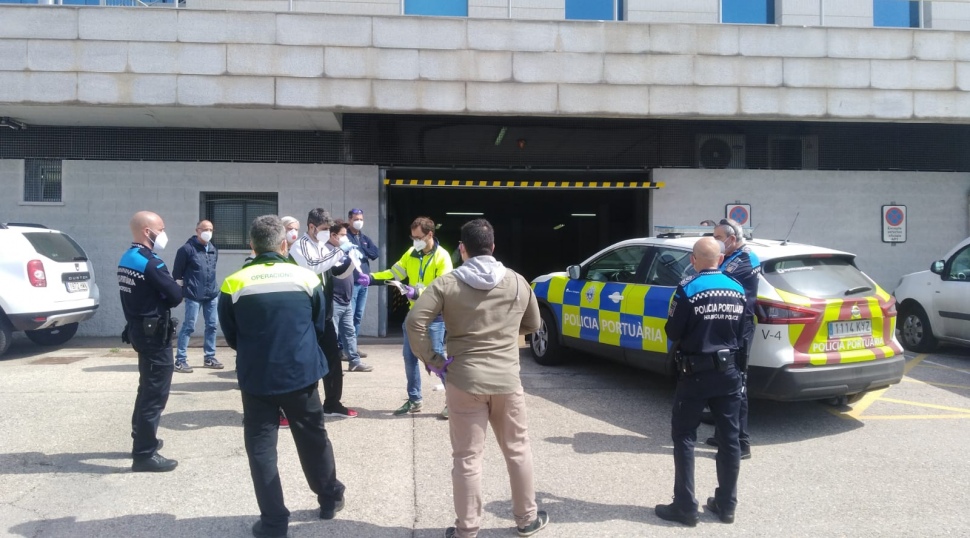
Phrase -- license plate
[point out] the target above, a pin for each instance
(846, 329)
(77, 286)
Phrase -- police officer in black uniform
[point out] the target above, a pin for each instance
(705, 321)
(743, 265)
(148, 293)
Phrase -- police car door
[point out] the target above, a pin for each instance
(953, 296)
(593, 312)
(648, 305)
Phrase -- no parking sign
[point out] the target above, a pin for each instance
(740, 213)
(893, 223)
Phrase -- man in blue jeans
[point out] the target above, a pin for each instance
(195, 270)
(368, 251)
(343, 289)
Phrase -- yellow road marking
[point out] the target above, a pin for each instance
(871, 397)
(913, 363)
(934, 384)
(944, 367)
(926, 405)
(922, 417)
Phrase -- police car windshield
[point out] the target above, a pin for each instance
(817, 277)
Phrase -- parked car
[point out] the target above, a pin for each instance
(934, 305)
(46, 285)
(825, 330)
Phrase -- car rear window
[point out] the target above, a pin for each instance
(56, 246)
(821, 277)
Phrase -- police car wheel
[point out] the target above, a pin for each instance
(915, 330)
(6, 334)
(545, 346)
(53, 336)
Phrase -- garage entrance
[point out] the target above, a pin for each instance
(544, 221)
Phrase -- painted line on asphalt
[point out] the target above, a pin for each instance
(928, 406)
(919, 417)
(937, 366)
(935, 384)
(871, 397)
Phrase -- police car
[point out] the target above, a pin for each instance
(824, 329)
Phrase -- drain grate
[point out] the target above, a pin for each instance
(57, 360)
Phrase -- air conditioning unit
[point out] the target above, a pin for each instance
(720, 151)
(793, 152)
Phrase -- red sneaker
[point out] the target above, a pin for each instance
(342, 412)
(284, 422)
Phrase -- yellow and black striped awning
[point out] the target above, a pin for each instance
(480, 183)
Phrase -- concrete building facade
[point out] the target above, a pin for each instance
(375, 96)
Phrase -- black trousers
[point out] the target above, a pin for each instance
(261, 422)
(333, 382)
(721, 391)
(155, 366)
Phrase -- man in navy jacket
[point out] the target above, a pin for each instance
(195, 270)
(368, 251)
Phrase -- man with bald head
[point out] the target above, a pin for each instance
(195, 270)
(704, 326)
(148, 293)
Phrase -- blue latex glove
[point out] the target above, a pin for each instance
(440, 372)
(363, 279)
(410, 292)
(348, 246)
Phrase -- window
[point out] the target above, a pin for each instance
(446, 8)
(42, 180)
(959, 265)
(621, 265)
(895, 13)
(748, 11)
(822, 277)
(594, 10)
(232, 213)
(669, 267)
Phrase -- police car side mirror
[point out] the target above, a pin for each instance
(937, 267)
(573, 272)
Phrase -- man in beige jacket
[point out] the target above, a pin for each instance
(485, 307)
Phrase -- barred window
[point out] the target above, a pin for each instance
(232, 213)
(42, 180)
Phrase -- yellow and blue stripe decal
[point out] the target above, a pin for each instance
(625, 315)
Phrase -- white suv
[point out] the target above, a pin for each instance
(46, 285)
(934, 305)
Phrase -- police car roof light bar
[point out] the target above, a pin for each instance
(691, 231)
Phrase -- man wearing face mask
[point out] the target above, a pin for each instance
(148, 293)
(368, 250)
(420, 265)
(195, 270)
(741, 264)
(310, 252)
(342, 276)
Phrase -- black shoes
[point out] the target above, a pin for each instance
(155, 464)
(726, 516)
(451, 532)
(260, 532)
(542, 519)
(329, 512)
(745, 448)
(669, 512)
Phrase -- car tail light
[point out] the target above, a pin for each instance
(775, 313)
(36, 274)
(889, 309)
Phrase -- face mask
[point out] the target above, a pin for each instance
(723, 246)
(358, 224)
(343, 240)
(420, 244)
(323, 236)
(206, 236)
(160, 241)
(291, 236)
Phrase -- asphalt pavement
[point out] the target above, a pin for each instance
(894, 464)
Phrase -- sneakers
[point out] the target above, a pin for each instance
(745, 448)
(211, 362)
(726, 516)
(284, 422)
(361, 354)
(155, 464)
(361, 367)
(409, 407)
(260, 532)
(542, 519)
(669, 512)
(183, 367)
(340, 412)
(329, 512)
(451, 532)
(444, 413)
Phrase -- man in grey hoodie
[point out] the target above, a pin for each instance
(485, 307)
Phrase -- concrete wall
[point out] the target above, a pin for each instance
(840, 210)
(99, 197)
(116, 58)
